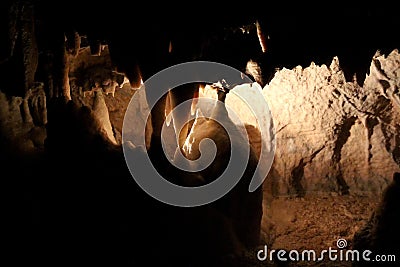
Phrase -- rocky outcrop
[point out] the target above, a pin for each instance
(95, 83)
(88, 72)
(22, 121)
(333, 135)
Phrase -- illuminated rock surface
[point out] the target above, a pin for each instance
(333, 135)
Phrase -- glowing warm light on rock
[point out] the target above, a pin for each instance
(236, 104)
(195, 100)
(254, 69)
(170, 47)
(261, 38)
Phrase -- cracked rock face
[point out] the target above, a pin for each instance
(333, 135)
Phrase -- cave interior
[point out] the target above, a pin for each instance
(70, 68)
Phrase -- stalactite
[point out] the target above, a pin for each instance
(29, 45)
(20, 60)
(60, 71)
(65, 87)
(13, 15)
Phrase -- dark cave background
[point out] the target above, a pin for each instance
(56, 218)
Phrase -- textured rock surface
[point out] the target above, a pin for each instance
(333, 135)
(22, 121)
(102, 116)
(94, 81)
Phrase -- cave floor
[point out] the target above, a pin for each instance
(314, 223)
